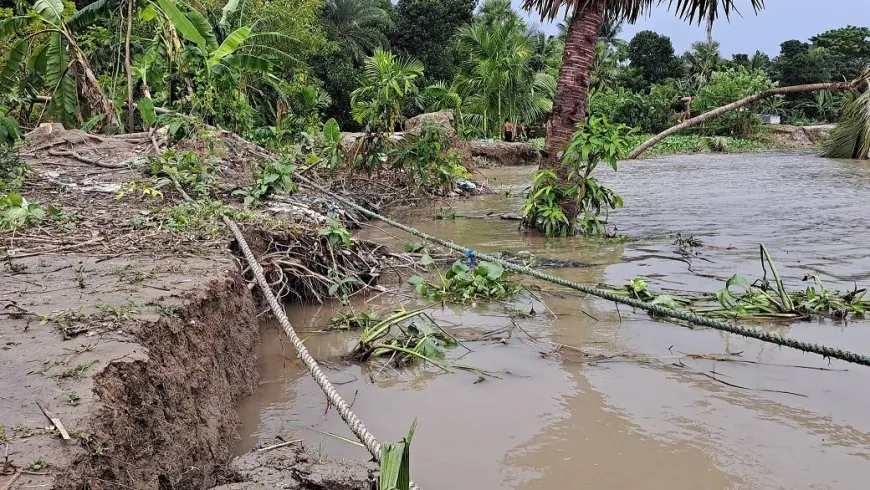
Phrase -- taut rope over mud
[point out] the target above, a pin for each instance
(823, 350)
(350, 418)
(353, 422)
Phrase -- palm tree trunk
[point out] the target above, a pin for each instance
(709, 29)
(832, 87)
(569, 105)
(131, 121)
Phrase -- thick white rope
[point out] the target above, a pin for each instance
(350, 418)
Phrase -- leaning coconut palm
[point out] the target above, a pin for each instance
(569, 106)
(851, 137)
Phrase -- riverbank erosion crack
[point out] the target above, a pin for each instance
(169, 420)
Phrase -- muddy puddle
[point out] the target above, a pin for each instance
(644, 415)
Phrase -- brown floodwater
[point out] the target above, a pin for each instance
(639, 414)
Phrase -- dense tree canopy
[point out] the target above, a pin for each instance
(424, 29)
(277, 68)
(653, 56)
(848, 48)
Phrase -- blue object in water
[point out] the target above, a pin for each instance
(471, 259)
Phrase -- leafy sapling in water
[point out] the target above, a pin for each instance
(569, 200)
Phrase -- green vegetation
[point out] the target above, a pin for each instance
(76, 372)
(429, 160)
(387, 80)
(16, 212)
(571, 203)
(275, 178)
(395, 471)
(764, 298)
(463, 284)
(187, 169)
(693, 143)
(335, 234)
(403, 338)
(851, 137)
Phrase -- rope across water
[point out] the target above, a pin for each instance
(823, 350)
(350, 418)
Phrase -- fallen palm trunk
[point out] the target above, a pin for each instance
(695, 121)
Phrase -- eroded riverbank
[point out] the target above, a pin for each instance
(642, 409)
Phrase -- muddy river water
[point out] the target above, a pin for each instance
(643, 415)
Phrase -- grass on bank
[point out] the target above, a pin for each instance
(682, 144)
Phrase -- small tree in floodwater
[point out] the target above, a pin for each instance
(552, 201)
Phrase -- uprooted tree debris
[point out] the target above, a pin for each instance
(128, 288)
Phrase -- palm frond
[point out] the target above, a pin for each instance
(50, 10)
(703, 10)
(275, 39)
(182, 23)
(248, 62)
(851, 137)
(228, 10)
(276, 55)
(628, 10)
(203, 26)
(60, 81)
(230, 44)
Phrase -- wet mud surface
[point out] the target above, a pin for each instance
(646, 404)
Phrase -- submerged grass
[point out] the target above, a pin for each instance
(764, 298)
(693, 143)
(403, 338)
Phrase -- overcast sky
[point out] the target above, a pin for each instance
(780, 21)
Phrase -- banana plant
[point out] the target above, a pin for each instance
(46, 45)
(207, 66)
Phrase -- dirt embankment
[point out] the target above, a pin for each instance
(504, 154)
(131, 323)
(787, 136)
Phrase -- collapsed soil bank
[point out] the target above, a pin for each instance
(148, 399)
(171, 418)
(155, 404)
(137, 335)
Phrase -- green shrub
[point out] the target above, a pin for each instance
(186, 169)
(10, 132)
(557, 198)
(16, 212)
(650, 113)
(728, 86)
(275, 178)
(429, 160)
